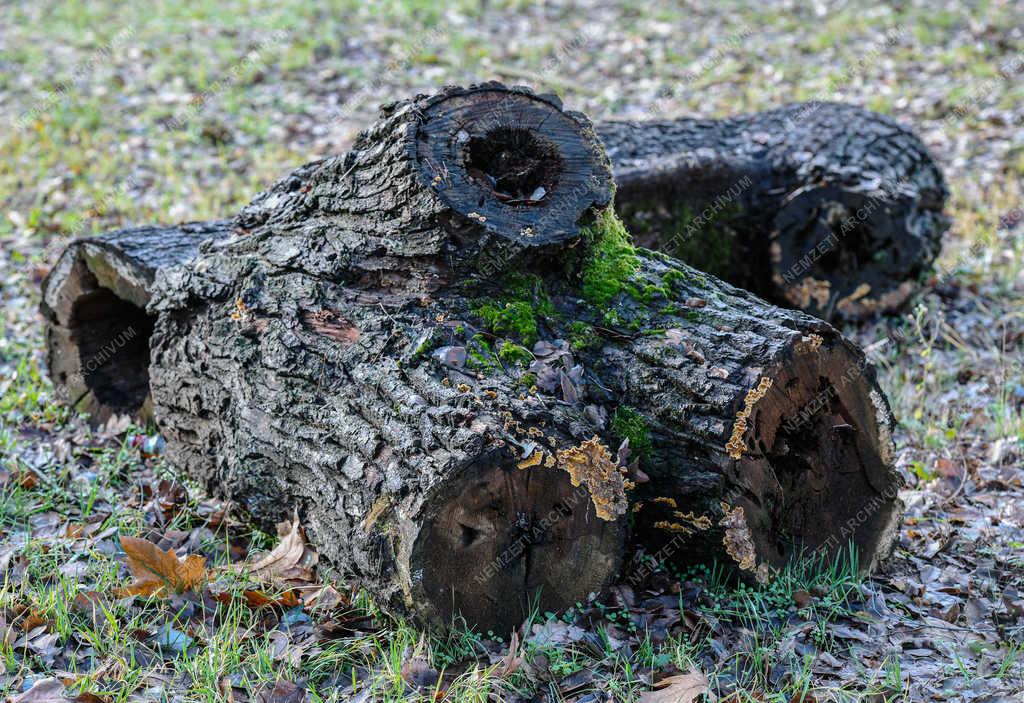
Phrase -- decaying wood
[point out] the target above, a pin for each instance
(94, 300)
(820, 206)
(444, 351)
(285, 368)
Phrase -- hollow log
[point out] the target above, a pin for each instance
(94, 302)
(445, 352)
(821, 206)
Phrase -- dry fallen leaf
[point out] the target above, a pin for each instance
(25, 478)
(31, 622)
(43, 691)
(682, 688)
(417, 670)
(322, 598)
(155, 570)
(290, 560)
(259, 599)
(512, 661)
(284, 692)
(226, 691)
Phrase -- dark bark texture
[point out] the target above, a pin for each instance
(295, 366)
(820, 206)
(445, 352)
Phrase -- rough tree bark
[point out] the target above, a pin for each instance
(444, 351)
(820, 206)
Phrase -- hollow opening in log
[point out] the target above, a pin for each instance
(519, 165)
(512, 164)
(112, 336)
(837, 246)
(505, 540)
(847, 240)
(816, 465)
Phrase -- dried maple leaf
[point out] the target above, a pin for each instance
(156, 570)
(291, 560)
(682, 688)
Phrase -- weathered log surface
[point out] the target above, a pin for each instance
(285, 368)
(826, 207)
(438, 363)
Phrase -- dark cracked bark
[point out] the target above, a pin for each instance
(820, 206)
(379, 344)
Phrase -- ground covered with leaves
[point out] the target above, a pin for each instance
(122, 582)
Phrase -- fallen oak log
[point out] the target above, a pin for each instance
(821, 206)
(382, 352)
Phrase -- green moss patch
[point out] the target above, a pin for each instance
(515, 320)
(627, 423)
(514, 314)
(514, 355)
(611, 258)
(582, 336)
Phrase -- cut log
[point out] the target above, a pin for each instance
(296, 366)
(94, 301)
(445, 352)
(820, 206)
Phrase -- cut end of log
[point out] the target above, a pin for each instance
(815, 457)
(519, 166)
(503, 541)
(99, 332)
(112, 340)
(844, 253)
(513, 162)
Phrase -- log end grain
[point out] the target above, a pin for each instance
(507, 540)
(98, 330)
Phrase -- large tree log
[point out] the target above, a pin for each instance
(376, 342)
(821, 206)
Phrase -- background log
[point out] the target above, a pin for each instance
(821, 206)
(442, 374)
